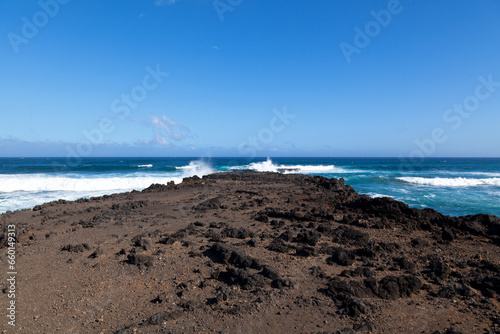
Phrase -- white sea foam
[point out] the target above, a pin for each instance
(490, 174)
(21, 200)
(145, 166)
(376, 195)
(478, 174)
(451, 182)
(270, 166)
(19, 191)
(43, 182)
(80, 183)
(198, 168)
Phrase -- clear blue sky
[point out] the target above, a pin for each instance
(225, 69)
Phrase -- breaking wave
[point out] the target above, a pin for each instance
(270, 166)
(198, 168)
(42, 182)
(451, 182)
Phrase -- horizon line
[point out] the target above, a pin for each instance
(259, 157)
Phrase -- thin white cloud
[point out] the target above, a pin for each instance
(166, 130)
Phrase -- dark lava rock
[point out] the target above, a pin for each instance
(278, 245)
(161, 298)
(213, 236)
(48, 235)
(453, 290)
(129, 205)
(317, 272)
(419, 242)
(282, 283)
(437, 269)
(277, 224)
(140, 260)
(243, 278)
(310, 237)
(483, 225)
(210, 204)
(383, 223)
(331, 184)
(392, 287)
(252, 242)
(307, 251)
(383, 207)
(447, 235)
(389, 287)
(218, 225)
(224, 253)
(219, 298)
(360, 289)
(90, 223)
(341, 257)
(270, 272)
(142, 242)
(261, 217)
(350, 236)
(489, 266)
(288, 235)
(76, 248)
(451, 330)
(239, 233)
(354, 307)
(489, 285)
(96, 253)
(403, 263)
(179, 235)
(324, 228)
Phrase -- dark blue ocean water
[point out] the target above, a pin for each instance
(454, 186)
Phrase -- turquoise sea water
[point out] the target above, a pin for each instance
(453, 186)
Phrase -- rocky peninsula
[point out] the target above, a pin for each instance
(249, 252)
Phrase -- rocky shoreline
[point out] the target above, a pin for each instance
(249, 252)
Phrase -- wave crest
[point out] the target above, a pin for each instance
(451, 182)
(270, 166)
(41, 182)
(198, 168)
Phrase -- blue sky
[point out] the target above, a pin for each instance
(250, 77)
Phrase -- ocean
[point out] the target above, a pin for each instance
(452, 186)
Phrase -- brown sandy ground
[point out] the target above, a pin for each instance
(248, 252)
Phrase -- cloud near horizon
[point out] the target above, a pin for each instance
(166, 130)
(165, 133)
